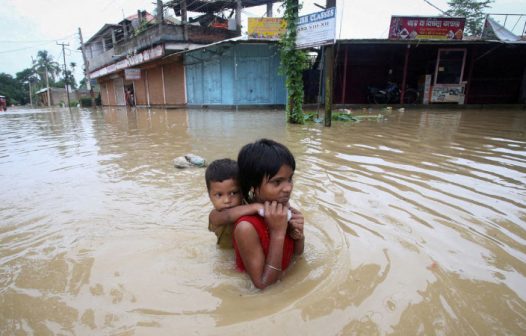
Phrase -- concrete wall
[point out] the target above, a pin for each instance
(59, 96)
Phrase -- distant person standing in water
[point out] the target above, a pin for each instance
(264, 245)
(3, 103)
(130, 101)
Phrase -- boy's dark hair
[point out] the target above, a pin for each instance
(220, 170)
(261, 159)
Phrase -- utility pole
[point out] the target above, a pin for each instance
(160, 12)
(65, 71)
(47, 84)
(30, 93)
(184, 20)
(48, 91)
(86, 69)
(239, 7)
(269, 9)
(29, 80)
(160, 16)
(329, 74)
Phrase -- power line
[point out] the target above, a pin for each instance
(36, 41)
(26, 48)
(435, 7)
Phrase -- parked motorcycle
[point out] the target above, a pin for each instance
(391, 94)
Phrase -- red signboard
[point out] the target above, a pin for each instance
(428, 28)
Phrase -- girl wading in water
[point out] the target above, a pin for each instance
(264, 245)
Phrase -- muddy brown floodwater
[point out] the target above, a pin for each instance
(415, 224)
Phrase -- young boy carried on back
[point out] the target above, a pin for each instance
(226, 197)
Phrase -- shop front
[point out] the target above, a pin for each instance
(443, 71)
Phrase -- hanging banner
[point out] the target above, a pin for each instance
(316, 29)
(266, 28)
(426, 28)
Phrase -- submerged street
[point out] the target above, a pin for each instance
(415, 223)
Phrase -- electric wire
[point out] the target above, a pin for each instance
(435, 7)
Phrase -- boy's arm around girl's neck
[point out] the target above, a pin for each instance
(218, 219)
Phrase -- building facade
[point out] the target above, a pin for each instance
(233, 73)
(460, 72)
(135, 57)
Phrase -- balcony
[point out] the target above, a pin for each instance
(155, 35)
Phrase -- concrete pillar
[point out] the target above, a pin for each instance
(238, 16)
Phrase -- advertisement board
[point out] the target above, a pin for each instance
(316, 29)
(144, 56)
(448, 94)
(266, 28)
(132, 74)
(426, 28)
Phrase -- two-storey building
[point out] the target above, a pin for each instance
(131, 56)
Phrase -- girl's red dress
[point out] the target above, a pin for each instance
(262, 230)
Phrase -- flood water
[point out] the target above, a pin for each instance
(415, 224)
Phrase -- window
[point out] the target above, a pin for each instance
(450, 66)
(108, 42)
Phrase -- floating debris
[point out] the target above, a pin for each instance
(189, 160)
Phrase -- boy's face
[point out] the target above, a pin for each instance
(225, 194)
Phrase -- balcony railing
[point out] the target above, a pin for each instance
(155, 35)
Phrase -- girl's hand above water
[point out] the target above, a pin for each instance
(296, 231)
(295, 227)
(276, 217)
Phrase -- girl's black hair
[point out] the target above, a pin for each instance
(261, 159)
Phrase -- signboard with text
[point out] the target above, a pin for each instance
(142, 57)
(426, 28)
(316, 29)
(266, 28)
(132, 74)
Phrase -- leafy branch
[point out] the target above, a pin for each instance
(293, 62)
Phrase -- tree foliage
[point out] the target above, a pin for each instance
(472, 10)
(45, 63)
(293, 63)
(16, 89)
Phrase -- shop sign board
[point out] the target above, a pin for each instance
(448, 94)
(266, 28)
(426, 28)
(132, 74)
(142, 57)
(316, 29)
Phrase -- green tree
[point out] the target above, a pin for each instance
(472, 10)
(24, 79)
(83, 83)
(14, 91)
(46, 67)
(71, 75)
(293, 62)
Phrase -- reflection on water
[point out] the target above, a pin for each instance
(415, 225)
